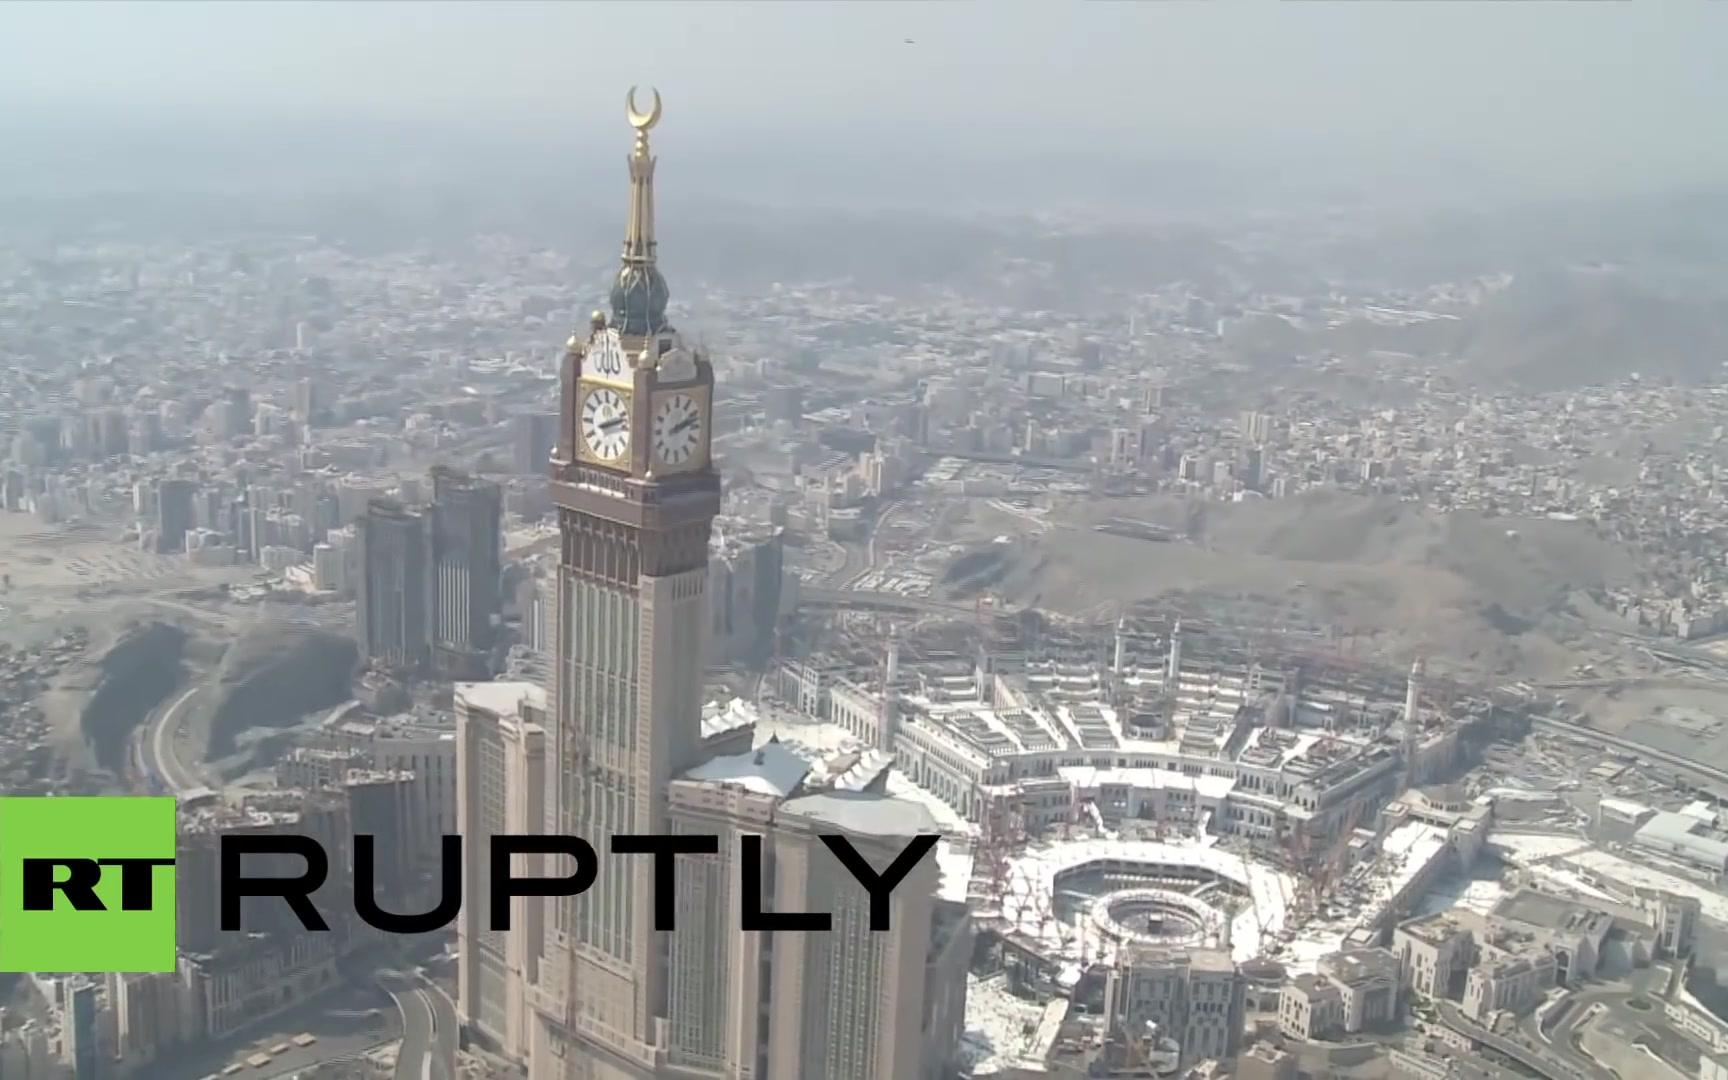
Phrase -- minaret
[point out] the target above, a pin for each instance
(890, 696)
(1173, 670)
(891, 670)
(1413, 693)
(1120, 659)
(1412, 704)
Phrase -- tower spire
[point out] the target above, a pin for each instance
(639, 296)
(639, 232)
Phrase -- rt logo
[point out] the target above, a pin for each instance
(86, 884)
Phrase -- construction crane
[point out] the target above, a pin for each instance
(1001, 834)
(1327, 871)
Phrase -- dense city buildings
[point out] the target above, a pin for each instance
(1284, 700)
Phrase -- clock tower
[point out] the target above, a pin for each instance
(636, 495)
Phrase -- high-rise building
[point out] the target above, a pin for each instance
(616, 999)
(784, 404)
(746, 570)
(309, 398)
(467, 571)
(532, 443)
(151, 1017)
(1195, 997)
(1152, 397)
(382, 804)
(636, 496)
(82, 1052)
(1252, 468)
(851, 1002)
(501, 766)
(174, 514)
(1256, 427)
(238, 978)
(540, 627)
(394, 594)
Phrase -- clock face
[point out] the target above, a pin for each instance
(606, 423)
(677, 429)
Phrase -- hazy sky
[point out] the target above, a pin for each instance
(1568, 93)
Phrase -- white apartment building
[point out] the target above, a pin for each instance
(1432, 952)
(851, 1003)
(1508, 981)
(1311, 1007)
(1195, 997)
(501, 758)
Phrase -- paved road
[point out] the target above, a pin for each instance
(444, 1030)
(884, 518)
(854, 564)
(161, 759)
(206, 614)
(347, 1025)
(428, 1028)
(1710, 772)
(1586, 1005)
(1531, 1053)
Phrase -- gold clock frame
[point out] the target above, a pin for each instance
(584, 451)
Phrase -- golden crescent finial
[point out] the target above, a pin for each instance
(639, 120)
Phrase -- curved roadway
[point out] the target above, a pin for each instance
(156, 750)
(428, 1027)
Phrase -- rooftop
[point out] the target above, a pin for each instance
(1690, 830)
(864, 813)
(770, 769)
(717, 718)
(1549, 912)
(1312, 984)
(1435, 929)
(1359, 967)
(501, 698)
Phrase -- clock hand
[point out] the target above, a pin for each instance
(608, 425)
(687, 422)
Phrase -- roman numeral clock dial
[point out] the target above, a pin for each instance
(677, 430)
(606, 423)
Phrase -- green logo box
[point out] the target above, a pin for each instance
(105, 938)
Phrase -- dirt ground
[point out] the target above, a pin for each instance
(65, 574)
(1679, 716)
(1489, 595)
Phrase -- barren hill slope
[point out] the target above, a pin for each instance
(1488, 593)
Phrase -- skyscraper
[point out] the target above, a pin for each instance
(636, 496)
(501, 765)
(851, 1003)
(709, 998)
(746, 572)
(467, 571)
(394, 595)
(82, 1051)
(174, 514)
(532, 442)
